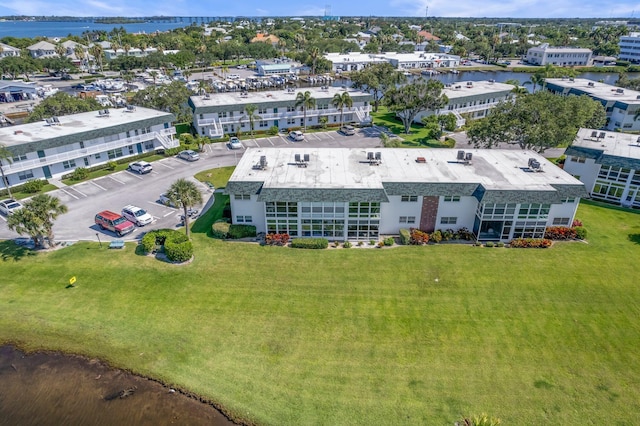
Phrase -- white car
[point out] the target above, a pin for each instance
(189, 155)
(140, 167)
(9, 206)
(234, 143)
(163, 199)
(296, 135)
(137, 215)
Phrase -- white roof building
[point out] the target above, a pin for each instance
(561, 56)
(630, 47)
(42, 49)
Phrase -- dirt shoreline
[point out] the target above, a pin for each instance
(51, 387)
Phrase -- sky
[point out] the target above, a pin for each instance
(415, 8)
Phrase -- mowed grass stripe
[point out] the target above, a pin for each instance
(357, 336)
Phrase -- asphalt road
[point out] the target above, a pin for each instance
(114, 191)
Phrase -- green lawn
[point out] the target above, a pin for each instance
(360, 336)
(104, 172)
(417, 134)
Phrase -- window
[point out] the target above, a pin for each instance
(264, 123)
(448, 220)
(97, 156)
(578, 159)
(26, 174)
(262, 110)
(20, 157)
(148, 145)
(407, 219)
(244, 219)
(452, 198)
(69, 164)
(242, 196)
(568, 200)
(291, 121)
(409, 198)
(291, 108)
(114, 153)
(561, 221)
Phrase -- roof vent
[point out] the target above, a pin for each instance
(591, 84)
(18, 132)
(460, 156)
(534, 165)
(619, 91)
(103, 113)
(594, 135)
(421, 160)
(374, 158)
(572, 79)
(262, 164)
(491, 81)
(602, 135)
(469, 83)
(131, 108)
(53, 121)
(302, 160)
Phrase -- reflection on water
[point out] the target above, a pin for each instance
(54, 389)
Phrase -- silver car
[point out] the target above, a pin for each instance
(189, 155)
(9, 206)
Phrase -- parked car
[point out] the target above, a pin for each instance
(137, 215)
(164, 199)
(189, 155)
(296, 135)
(114, 222)
(348, 130)
(234, 143)
(9, 206)
(141, 167)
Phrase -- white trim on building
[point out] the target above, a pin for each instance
(355, 194)
(57, 146)
(608, 163)
(357, 61)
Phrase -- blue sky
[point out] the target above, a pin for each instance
(462, 8)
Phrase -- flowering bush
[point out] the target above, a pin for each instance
(418, 237)
(530, 243)
(436, 236)
(276, 239)
(576, 222)
(559, 233)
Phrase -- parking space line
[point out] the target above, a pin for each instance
(95, 184)
(2, 217)
(119, 181)
(163, 165)
(270, 141)
(70, 194)
(135, 175)
(285, 140)
(169, 214)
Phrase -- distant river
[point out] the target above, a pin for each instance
(33, 29)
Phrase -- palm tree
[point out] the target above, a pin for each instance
(5, 157)
(153, 74)
(340, 101)
(60, 50)
(25, 221)
(536, 79)
(305, 101)
(47, 208)
(80, 54)
(251, 115)
(314, 53)
(184, 193)
(517, 89)
(97, 52)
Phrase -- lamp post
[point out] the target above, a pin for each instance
(100, 242)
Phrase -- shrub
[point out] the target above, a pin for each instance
(489, 244)
(241, 231)
(277, 239)
(464, 234)
(560, 233)
(405, 236)
(171, 152)
(79, 174)
(347, 244)
(360, 243)
(477, 244)
(448, 234)
(576, 222)
(530, 243)
(310, 243)
(177, 246)
(418, 237)
(273, 130)
(581, 232)
(34, 185)
(372, 242)
(380, 244)
(500, 244)
(436, 236)
(389, 241)
(111, 165)
(220, 230)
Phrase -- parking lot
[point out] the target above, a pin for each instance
(119, 189)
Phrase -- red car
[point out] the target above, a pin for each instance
(114, 223)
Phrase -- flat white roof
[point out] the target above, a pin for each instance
(614, 143)
(476, 88)
(75, 123)
(598, 89)
(235, 98)
(343, 168)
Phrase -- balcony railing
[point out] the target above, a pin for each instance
(285, 115)
(163, 136)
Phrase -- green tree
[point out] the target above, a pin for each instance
(340, 101)
(250, 111)
(409, 100)
(5, 158)
(172, 97)
(314, 53)
(185, 194)
(447, 121)
(36, 219)
(517, 88)
(61, 104)
(537, 121)
(377, 78)
(305, 101)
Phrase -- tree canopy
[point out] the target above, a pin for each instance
(60, 104)
(171, 98)
(377, 78)
(537, 121)
(36, 219)
(411, 99)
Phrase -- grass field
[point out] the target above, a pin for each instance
(406, 335)
(418, 135)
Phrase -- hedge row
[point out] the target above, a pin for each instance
(405, 236)
(310, 243)
(31, 187)
(220, 229)
(241, 231)
(530, 243)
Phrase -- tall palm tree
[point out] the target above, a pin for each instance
(153, 74)
(47, 208)
(314, 53)
(517, 88)
(184, 193)
(80, 53)
(252, 116)
(537, 79)
(97, 51)
(60, 50)
(305, 101)
(340, 101)
(5, 157)
(25, 221)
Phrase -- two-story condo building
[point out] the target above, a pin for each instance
(630, 47)
(357, 61)
(358, 194)
(42, 49)
(58, 145)
(608, 163)
(6, 50)
(561, 56)
(621, 105)
(218, 114)
(472, 98)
